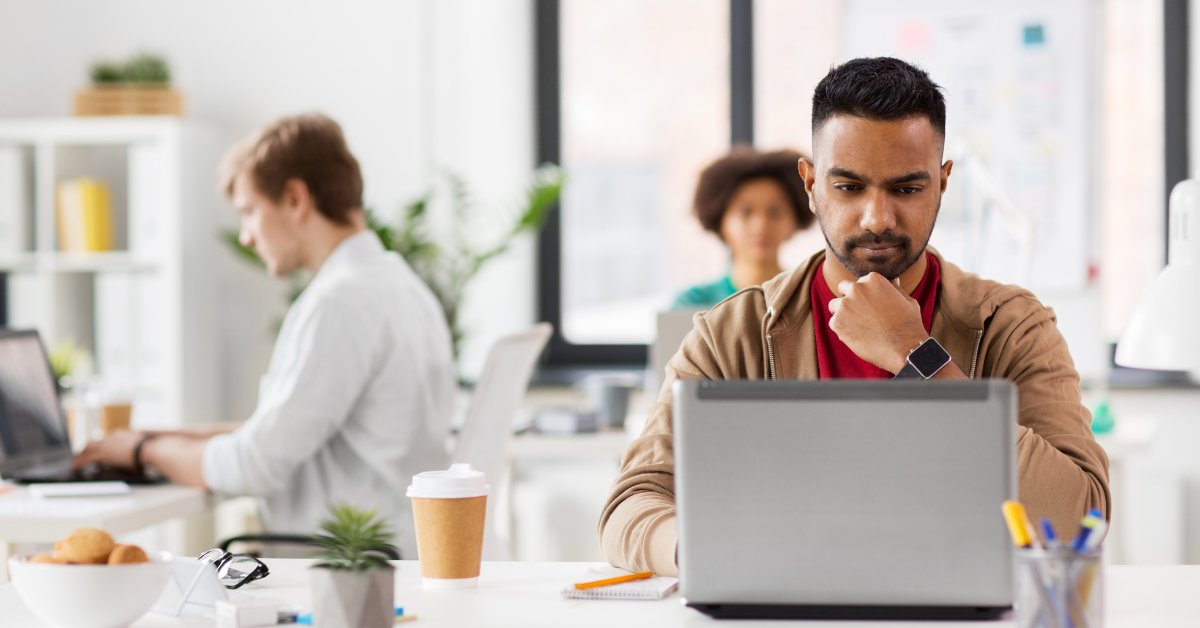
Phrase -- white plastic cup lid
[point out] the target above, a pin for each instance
(459, 481)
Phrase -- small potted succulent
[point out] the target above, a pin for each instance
(353, 585)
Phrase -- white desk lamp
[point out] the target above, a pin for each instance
(1164, 330)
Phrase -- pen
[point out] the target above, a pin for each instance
(618, 580)
(1019, 526)
(1048, 532)
(1086, 528)
(1097, 535)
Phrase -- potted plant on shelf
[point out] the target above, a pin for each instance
(353, 584)
(140, 86)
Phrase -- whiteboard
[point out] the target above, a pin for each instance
(1022, 96)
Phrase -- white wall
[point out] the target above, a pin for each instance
(479, 103)
(418, 86)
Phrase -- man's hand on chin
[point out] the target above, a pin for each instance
(877, 321)
(115, 450)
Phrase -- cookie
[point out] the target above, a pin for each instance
(43, 558)
(86, 546)
(127, 555)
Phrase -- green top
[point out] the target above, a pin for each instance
(704, 296)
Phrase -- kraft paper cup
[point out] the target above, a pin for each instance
(449, 511)
(115, 416)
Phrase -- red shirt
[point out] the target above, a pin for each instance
(834, 359)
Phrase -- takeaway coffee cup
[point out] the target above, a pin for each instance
(449, 508)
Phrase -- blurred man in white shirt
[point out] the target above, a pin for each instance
(358, 394)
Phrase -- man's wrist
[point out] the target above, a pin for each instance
(904, 348)
(140, 453)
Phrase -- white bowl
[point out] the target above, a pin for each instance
(90, 596)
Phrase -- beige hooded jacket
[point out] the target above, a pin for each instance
(991, 330)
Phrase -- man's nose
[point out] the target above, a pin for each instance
(878, 214)
(245, 238)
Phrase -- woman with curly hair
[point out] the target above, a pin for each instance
(754, 202)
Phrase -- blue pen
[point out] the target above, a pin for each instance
(1048, 532)
(1086, 527)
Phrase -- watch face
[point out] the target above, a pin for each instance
(929, 358)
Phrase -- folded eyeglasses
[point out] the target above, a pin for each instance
(235, 570)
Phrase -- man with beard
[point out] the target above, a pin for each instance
(861, 306)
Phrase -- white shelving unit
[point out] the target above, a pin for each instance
(146, 308)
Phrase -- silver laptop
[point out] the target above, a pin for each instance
(672, 328)
(35, 444)
(845, 499)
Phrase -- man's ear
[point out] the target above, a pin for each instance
(296, 199)
(946, 167)
(808, 172)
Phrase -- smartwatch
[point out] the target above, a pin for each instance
(924, 361)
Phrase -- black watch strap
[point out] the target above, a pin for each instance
(908, 372)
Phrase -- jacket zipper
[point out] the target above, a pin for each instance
(975, 357)
(770, 353)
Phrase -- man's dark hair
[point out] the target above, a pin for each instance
(879, 88)
(722, 178)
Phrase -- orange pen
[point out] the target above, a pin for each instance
(618, 580)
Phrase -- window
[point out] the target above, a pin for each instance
(645, 105)
(634, 100)
(649, 91)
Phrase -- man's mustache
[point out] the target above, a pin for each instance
(879, 240)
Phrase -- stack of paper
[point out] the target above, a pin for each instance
(84, 216)
(655, 588)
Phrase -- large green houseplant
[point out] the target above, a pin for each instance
(353, 584)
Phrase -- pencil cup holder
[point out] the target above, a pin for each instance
(1059, 589)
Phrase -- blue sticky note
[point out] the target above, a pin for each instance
(1035, 35)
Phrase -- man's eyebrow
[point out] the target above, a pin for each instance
(916, 175)
(919, 175)
(843, 173)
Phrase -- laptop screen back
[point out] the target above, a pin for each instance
(847, 492)
(33, 430)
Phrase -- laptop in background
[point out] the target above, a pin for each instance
(672, 327)
(848, 499)
(35, 442)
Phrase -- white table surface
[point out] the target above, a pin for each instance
(527, 595)
(145, 506)
(606, 445)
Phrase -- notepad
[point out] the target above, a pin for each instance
(655, 588)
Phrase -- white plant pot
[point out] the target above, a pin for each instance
(349, 599)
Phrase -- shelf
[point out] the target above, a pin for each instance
(106, 262)
(98, 130)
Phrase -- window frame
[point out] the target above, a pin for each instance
(562, 353)
(1176, 51)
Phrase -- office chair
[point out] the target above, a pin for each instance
(483, 439)
(285, 539)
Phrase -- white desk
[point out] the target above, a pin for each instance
(607, 445)
(527, 595)
(48, 520)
